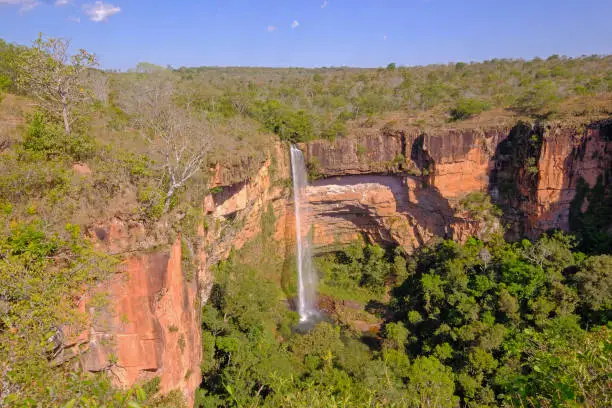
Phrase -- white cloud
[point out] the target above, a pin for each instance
(75, 19)
(271, 28)
(295, 24)
(61, 2)
(26, 5)
(325, 3)
(385, 37)
(100, 11)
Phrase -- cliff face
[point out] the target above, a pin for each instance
(386, 209)
(538, 169)
(405, 186)
(394, 186)
(530, 171)
(235, 213)
(144, 322)
(566, 158)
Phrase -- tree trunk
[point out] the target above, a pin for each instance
(65, 115)
(168, 198)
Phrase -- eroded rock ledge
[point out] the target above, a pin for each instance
(530, 170)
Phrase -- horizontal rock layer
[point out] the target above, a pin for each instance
(530, 171)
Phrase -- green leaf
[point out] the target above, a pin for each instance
(70, 403)
(141, 395)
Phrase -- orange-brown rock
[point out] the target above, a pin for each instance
(540, 167)
(530, 171)
(238, 209)
(386, 209)
(567, 156)
(81, 169)
(144, 322)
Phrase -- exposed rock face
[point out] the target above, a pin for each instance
(363, 154)
(144, 322)
(530, 172)
(238, 210)
(386, 209)
(567, 156)
(404, 187)
(537, 170)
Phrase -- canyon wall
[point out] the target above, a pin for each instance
(398, 186)
(531, 171)
(144, 321)
(405, 186)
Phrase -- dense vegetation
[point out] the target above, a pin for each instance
(481, 324)
(300, 104)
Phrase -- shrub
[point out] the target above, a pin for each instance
(293, 126)
(50, 140)
(5, 83)
(314, 169)
(466, 108)
(336, 129)
(539, 100)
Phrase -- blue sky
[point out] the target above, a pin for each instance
(310, 33)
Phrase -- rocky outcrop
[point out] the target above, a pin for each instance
(236, 213)
(365, 153)
(144, 321)
(386, 209)
(405, 186)
(530, 171)
(538, 168)
(566, 157)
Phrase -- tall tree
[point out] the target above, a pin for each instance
(176, 134)
(53, 76)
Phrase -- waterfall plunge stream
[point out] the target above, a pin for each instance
(307, 277)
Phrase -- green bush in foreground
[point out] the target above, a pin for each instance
(50, 139)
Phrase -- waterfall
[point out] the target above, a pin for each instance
(307, 277)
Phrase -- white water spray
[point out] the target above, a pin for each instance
(307, 277)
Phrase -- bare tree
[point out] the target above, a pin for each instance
(53, 76)
(97, 82)
(182, 142)
(178, 136)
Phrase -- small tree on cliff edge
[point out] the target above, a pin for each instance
(52, 75)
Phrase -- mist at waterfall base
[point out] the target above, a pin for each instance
(307, 276)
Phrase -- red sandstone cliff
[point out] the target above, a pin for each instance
(144, 322)
(530, 171)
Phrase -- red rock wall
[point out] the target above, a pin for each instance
(567, 155)
(145, 321)
(455, 162)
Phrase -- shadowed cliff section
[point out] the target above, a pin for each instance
(388, 210)
(513, 181)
